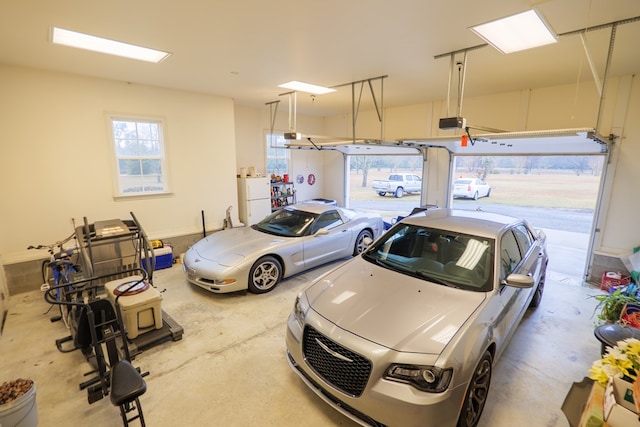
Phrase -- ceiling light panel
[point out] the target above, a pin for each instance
(306, 87)
(98, 44)
(522, 31)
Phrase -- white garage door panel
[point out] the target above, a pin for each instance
(545, 142)
(551, 142)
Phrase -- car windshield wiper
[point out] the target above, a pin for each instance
(396, 265)
(267, 230)
(425, 274)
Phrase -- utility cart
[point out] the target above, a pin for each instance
(118, 247)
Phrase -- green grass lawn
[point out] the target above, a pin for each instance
(559, 190)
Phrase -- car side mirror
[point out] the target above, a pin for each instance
(321, 232)
(519, 281)
(367, 241)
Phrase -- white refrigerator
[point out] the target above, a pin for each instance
(254, 199)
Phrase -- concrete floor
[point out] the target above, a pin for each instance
(229, 369)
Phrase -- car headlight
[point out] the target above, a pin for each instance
(426, 378)
(300, 309)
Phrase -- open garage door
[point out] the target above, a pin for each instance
(445, 158)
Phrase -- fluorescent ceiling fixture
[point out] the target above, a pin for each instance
(306, 87)
(111, 47)
(517, 32)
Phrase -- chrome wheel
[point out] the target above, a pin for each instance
(265, 275)
(360, 246)
(477, 393)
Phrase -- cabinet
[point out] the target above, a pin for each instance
(282, 194)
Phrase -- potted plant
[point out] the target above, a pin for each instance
(610, 305)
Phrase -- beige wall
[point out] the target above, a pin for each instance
(252, 127)
(55, 159)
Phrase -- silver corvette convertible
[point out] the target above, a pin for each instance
(407, 333)
(289, 241)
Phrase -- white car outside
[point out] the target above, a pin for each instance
(470, 188)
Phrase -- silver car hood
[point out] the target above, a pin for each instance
(227, 247)
(393, 310)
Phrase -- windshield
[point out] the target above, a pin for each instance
(440, 256)
(286, 222)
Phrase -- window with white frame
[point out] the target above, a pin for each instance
(277, 155)
(139, 153)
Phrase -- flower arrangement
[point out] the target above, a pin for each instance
(621, 361)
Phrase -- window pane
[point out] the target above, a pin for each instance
(277, 158)
(126, 147)
(124, 129)
(129, 167)
(151, 167)
(145, 130)
(139, 151)
(149, 148)
(152, 183)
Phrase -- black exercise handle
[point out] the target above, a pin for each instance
(50, 294)
(53, 245)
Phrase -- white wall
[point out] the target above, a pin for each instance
(252, 127)
(55, 162)
(619, 226)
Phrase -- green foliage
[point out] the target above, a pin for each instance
(611, 305)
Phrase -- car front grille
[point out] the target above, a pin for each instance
(337, 402)
(340, 367)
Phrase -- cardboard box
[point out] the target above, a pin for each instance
(619, 409)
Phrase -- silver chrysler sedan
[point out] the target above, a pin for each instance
(407, 333)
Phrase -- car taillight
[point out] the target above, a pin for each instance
(469, 187)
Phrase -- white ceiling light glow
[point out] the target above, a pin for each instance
(522, 31)
(306, 87)
(111, 47)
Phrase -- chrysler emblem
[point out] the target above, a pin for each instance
(333, 353)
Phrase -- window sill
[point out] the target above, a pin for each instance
(143, 196)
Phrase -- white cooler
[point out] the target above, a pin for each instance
(141, 307)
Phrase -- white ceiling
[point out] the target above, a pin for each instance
(244, 48)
